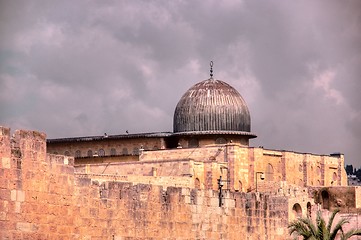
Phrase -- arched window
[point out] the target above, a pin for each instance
(66, 153)
(297, 210)
(90, 153)
(197, 183)
(240, 186)
(125, 151)
(101, 153)
(77, 153)
(193, 143)
(334, 177)
(309, 210)
(269, 172)
(325, 200)
(221, 141)
(155, 148)
(113, 152)
(56, 153)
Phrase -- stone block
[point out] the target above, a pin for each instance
(13, 195)
(214, 202)
(2, 216)
(185, 191)
(25, 227)
(5, 162)
(187, 199)
(200, 200)
(17, 207)
(20, 196)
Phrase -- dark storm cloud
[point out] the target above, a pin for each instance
(109, 66)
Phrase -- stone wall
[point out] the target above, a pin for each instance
(340, 197)
(152, 168)
(123, 146)
(42, 198)
(197, 154)
(358, 197)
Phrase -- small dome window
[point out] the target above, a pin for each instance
(125, 151)
(77, 153)
(193, 143)
(101, 153)
(113, 152)
(90, 153)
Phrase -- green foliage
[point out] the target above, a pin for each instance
(349, 169)
(358, 173)
(305, 228)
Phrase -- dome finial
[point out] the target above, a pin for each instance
(211, 64)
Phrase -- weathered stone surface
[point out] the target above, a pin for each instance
(46, 199)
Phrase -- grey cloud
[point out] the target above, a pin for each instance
(110, 66)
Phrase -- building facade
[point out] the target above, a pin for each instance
(210, 140)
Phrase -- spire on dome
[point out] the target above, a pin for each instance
(211, 64)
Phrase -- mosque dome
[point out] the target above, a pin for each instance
(212, 107)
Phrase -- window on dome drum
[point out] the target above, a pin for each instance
(135, 151)
(193, 142)
(221, 141)
(125, 151)
(66, 153)
(155, 148)
(113, 152)
(77, 153)
(56, 153)
(101, 153)
(90, 153)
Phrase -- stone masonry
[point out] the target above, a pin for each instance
(41, 197)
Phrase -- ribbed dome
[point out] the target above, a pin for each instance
(211, 106)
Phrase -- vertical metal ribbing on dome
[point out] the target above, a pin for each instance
(211, 105)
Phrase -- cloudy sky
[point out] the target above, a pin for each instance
(85, 68)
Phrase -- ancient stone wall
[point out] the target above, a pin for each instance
(338, 197)
(151, 168)
(358, 197)
(42, 198)
(196, 154)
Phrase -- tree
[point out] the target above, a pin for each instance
(349, 169)
(305, 228)
(358, 173)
